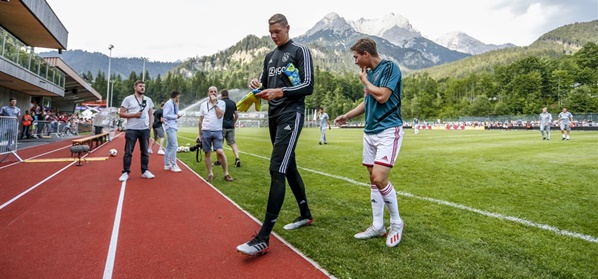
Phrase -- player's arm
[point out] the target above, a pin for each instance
(236, 114)
(304, 65)
(381, 94)
(358, 110)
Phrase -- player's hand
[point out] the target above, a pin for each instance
(363, 75)
(138, 114)
(340, 120)
(213, 98)
(270, 94)
(254, 83)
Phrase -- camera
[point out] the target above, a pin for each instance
(197, 146)
(143, 105)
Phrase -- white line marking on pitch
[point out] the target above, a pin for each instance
(556, 230)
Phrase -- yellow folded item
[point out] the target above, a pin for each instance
(245, 103)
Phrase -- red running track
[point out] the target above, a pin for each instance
(59, 220)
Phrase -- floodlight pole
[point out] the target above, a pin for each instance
(108, 104)
(112, 90)
(143, 72)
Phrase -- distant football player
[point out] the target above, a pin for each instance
(545, 123)
(565, 121)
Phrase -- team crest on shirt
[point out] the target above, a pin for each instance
(285, 57)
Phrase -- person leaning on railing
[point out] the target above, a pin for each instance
(26, 121)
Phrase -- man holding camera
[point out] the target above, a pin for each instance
(138, 109)
(210, 131)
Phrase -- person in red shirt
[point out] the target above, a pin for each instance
(26, 120)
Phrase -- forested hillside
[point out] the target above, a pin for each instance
(559, 69)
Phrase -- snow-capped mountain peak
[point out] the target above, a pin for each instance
(331, 21)
(379, 26)
(462, 42)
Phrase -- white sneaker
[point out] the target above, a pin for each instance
(254, 247)
(147, 174)
(160, 151)
(175, 168)
(150, 151)
(167, 167)
(124, 177)
(299, 222)
(371, 232)
(395, 233)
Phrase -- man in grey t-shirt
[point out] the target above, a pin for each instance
(545, 123)
(138, 109)
(565, 121)
(324, 124)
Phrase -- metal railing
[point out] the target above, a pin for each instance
(13, 50)
(9, 131)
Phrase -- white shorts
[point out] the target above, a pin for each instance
(383, 148)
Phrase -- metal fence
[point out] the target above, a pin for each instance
(41, 129)
(9, 131)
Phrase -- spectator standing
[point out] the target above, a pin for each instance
(210, 131)
(229, 120)
(10, 130)
(26, 121)
(171, 116)
(383, 135)
(415, 126)
(565, 122)
(324, 125)
(545, 123)
(285, 92)
(158, 131)
(138, 109)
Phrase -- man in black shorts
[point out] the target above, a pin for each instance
(287, 77)
(158, 131)
(228, 126)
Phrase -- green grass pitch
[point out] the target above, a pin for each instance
(476, 204)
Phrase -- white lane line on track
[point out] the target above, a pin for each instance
(35, 157)
(35, 186)
(556, 230)
(47, 178)
(110, 258)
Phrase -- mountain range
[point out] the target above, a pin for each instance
(328, 40)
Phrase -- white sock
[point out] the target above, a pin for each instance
(377, 207)
(392, 204)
